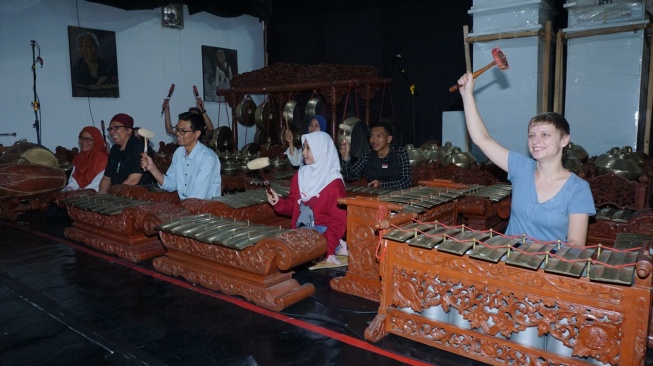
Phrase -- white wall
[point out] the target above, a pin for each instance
(150, 58)
(508, 99)
(603, 94)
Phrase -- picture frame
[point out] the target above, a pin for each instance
(219, 65)
(93, 63)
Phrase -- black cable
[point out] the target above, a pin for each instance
(88, 97)
(341, 309)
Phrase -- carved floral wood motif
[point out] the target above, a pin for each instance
(362, 277)
(480, 309)
(260, 273)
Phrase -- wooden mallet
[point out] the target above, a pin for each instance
(147, 134)
(499, 60)
(261, 163)
(170, 91)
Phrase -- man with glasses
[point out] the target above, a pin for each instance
(195, 169)
(124, 158)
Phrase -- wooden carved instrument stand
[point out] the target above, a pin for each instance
(503, 312)
(363, 222)
(259, 272)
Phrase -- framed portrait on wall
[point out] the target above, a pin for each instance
(219, 65)
(93, 63)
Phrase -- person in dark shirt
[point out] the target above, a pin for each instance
(124, 166)
(383, 165)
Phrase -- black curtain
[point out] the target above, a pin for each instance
(427, 34)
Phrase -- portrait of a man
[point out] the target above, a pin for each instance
(93, 63)
(219, 65)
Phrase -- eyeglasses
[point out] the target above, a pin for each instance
(115, 128)
(85, 139)
(177, 130)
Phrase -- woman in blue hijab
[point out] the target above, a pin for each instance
(317, 123)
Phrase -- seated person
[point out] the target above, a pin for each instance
(548, 201)
(317, 123)
(198, 110)
(314, 192)
(89, 164)
(382, 164)
(124, 165)
(195, 169)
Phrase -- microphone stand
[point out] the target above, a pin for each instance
(35, 103)
(411, 88)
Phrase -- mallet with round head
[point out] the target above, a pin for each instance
(147, 134)
(260, 164)
(499, 60)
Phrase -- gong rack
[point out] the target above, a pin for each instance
(281, 79)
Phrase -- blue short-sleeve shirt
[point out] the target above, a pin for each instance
(549, 220)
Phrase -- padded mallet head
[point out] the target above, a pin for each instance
(500, 59)
(259, 163)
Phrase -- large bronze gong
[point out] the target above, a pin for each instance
(223, 139)
(245, 112)
(293, 113)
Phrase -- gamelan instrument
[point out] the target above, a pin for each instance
(239, 257)
(513, 300)
(499, 59)
(26, 187)
(366, 215)
(23, 152)
(251, 205)
(115, 225)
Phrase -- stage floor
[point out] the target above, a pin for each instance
(63, 303)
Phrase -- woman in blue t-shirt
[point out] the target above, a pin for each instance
(548, 201)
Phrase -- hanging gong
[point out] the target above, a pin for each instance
(296, 136)
(293, 112)
(263, 116)
(245, 112)
(222, 139)
(315, 106)
(261, 137)
(356, 132)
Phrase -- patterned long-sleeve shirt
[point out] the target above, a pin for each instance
(393, 171)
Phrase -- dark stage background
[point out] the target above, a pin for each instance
(428, 34)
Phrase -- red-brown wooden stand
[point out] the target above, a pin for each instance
(609, 322)
(362, 278)
(120, 234)
(123, 234)
(260, 273)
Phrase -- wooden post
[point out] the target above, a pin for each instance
(468, 58)
(649, 103)
(546, 67)
(558, 94)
